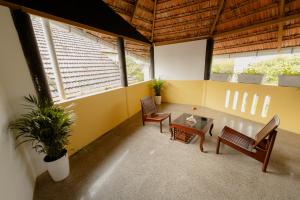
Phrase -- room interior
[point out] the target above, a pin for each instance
(102, 58)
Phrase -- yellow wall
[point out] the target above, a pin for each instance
(99, 113)
(285, 101)
(183, 92)
(134, 94)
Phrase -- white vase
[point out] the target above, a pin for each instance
(59, 169)
(157, 100)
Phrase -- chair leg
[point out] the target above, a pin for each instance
(268, 154)
(218, 146)
(143, 122)
(210, 129)
(160, 126)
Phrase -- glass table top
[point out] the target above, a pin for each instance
(199, 123)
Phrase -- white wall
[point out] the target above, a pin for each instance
(19, 167)
(182, 61)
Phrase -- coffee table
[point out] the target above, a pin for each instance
(184, 130)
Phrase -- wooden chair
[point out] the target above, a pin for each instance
(150, 113)
(259, 148)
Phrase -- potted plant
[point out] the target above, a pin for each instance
(157, 85)
(289, 77)
(222, 70)
(47, 127)
(251, 75)
(220, 75)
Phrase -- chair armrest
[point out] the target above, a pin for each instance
(163, 113)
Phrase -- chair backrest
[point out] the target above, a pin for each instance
(267, 130)
(148, 105)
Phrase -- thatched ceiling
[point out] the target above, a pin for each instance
(236, 25)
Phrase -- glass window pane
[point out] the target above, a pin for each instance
(137, 62)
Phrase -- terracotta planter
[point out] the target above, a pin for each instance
(250, 78)
(157, 100)
(58, 169)
(224, 77)
(289, 81)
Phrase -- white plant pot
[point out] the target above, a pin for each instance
(250, 78)
(157, 100)
(289, 81)
(220, 77)
(59, 169)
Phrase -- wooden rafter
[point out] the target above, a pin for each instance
(180, 6)
(221, 7)
(261, 24)
(153, 21)
(247, 44)
(159, 43)
(193, 29)
(187, 14)
(184, 23)
(250, 12)
(260, 33)
(280, 25)
(134, 11)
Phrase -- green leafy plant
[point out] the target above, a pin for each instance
(251, 71)
(157, 85)
(46, 126)
(134, 69)
(289, 71)
(222, 66)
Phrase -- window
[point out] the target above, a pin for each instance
(270, 64)
(76, 62)
(137, 62)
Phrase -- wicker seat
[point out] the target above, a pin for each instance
(150, 114)
(259, 148)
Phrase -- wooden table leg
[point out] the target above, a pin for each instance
(210, 129)
(172, 134)
(202, 138)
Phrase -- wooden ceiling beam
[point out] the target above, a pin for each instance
(187, 14)
(153, 21)
(280, 25)
(145, 9)
(180, 6)
(143, 19)
(221, 52)
(251, 12)
(239, 5)
(182, 23)
(160, 43)
(120, 10)
(246, 36)
(134, 11)
(220, 9)
(173, 32)
(261, 24)
(143, 29)
(261, 42)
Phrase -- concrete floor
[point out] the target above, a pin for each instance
(136, 162)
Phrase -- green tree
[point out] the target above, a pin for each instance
(134, 69)
(222, 66)
(276, 66)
